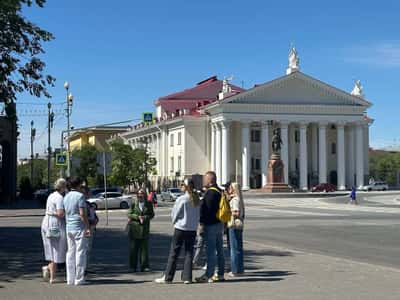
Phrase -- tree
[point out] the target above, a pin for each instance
(85, 162)
(385, 166)
(130, 165)
(121, 164)
(21, 69)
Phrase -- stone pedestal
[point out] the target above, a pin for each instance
(275, 179)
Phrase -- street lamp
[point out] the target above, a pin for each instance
(69, 100)
(33, 134)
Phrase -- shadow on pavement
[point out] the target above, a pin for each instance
(21, 255)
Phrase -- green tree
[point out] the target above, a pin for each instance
(121, 164)
(85, 163)
(130, 165)
(21, 68)
(385, 166)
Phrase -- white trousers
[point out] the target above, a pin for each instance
(76, 257)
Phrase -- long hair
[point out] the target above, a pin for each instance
(237, 190)
(194, 197)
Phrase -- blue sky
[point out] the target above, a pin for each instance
(119, 56)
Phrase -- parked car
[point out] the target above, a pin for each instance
(41, 195)
(171, 194)
(324, 187)
(376, 186)
(96, 191)
(114, 200)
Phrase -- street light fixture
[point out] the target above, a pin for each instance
(69, 100)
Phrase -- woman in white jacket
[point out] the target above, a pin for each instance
(53, 231)
(185, 217)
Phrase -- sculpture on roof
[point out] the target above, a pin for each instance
(225, 84)
(358, 89)
(294, 61)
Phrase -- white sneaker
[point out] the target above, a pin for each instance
(45, 273)
(205, 267)
(161, 280)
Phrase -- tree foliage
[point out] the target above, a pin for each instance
(129, 165)
(385, 166)
(85, 162)
(21, 69)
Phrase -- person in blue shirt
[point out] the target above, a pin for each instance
(78, 231)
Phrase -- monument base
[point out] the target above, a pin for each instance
(276, 182)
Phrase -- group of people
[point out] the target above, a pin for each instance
(69, 225)
(194, 219)
(67, 230)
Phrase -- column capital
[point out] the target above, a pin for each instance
(323, 124)
(340, 124)
(225, 124)
(245, 123)
(284, 123)
(303, 124)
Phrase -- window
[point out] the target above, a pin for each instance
(171, 140)
(256, 163)
(172, 165)
(333, 148)
(179, 162)
(179, 138)
(255, 136)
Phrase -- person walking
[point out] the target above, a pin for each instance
(53, 231)
(213, 230)
(139, 216)
(185, 217)
(353, 196)
(78, 231)
(235, 226)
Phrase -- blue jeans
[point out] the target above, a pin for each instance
(214, 242)
(236, 243)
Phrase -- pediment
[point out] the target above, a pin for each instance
(297, 89)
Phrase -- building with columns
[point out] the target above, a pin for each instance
(221, 127)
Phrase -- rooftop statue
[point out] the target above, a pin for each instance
(294, 61)
(358, 89)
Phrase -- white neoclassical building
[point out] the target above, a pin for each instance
(221, 127)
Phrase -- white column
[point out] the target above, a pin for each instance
(285, 149)
(226, 162)
(350, 158)
(303, 157)
(164, 153)
(359, 155)
(264, 152)
(213, 130)
(245, 155)
(218, 150)
(366, 148)
(314, 148)
(292, 148)
(322, 153)
(159, 153)
(341, 171)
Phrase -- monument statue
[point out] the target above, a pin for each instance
(294, 61)
(276, 141)
(358, 89)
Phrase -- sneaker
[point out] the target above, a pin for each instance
(231, 274)
(45, 273)
(161, 280)
(204, 267)
(146, 270)
(203, 279)
(83, 282)
(217, 278)
(187, 282)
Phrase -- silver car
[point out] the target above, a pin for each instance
(114, 200)
(376, 186)
(171, 194)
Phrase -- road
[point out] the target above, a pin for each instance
(306, 248)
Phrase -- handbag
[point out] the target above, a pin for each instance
(53, 232)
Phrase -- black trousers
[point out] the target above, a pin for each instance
(180, 238)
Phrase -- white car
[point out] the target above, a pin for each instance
(114, 200)
(376, 186)
(171, 194)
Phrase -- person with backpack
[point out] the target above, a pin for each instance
(235, 226)
(212, 217)
(185, 217)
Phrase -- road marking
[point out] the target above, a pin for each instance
(295, 212)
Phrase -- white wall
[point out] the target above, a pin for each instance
(196, 160)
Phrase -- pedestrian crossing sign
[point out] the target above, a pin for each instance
(61, 159)
(147, 117)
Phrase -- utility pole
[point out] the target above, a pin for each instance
(49, 125)
(69, 99)
(33, 133)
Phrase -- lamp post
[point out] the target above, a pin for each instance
(33, 133)
(49, 126)
(69, 100)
